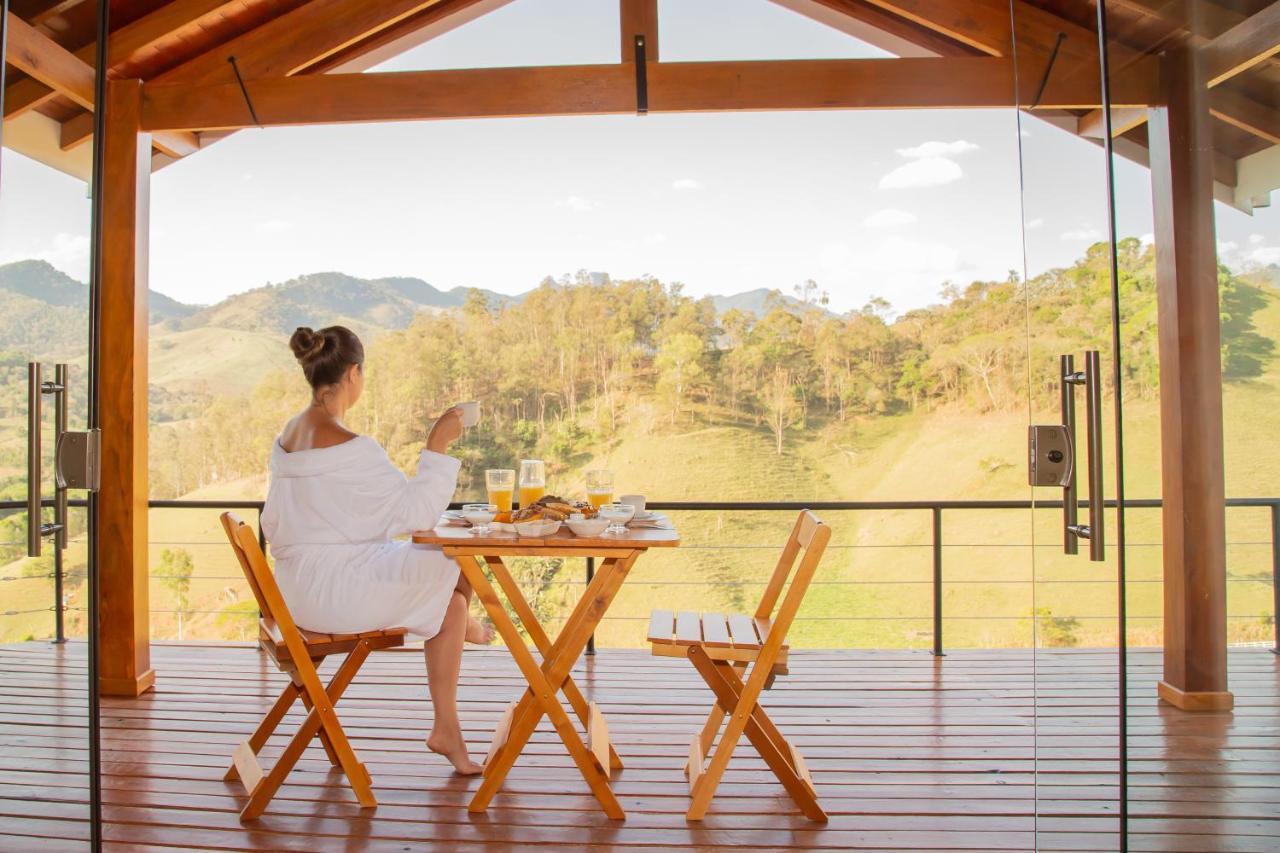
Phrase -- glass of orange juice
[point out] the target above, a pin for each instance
(599, 488)
(533, 481)
(501, 485)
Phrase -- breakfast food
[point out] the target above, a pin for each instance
(552, 508)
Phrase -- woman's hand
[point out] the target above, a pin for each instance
(447, 429)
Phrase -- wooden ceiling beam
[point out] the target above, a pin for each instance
(638, 18)
(1093, 126)
(981, 24)
(1235, 109)
(126, 44)
(953, 83)
(879, 28)
(39, 56)
(407, 34)
(286, 45)
(1249, 42)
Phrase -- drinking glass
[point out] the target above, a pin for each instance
(599, 488)
(618, 515)
(501, 485)
(533, 481)
(479, 516)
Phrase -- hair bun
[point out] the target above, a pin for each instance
(306, 344)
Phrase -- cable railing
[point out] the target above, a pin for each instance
(932, 510)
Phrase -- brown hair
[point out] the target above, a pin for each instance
(327, 354)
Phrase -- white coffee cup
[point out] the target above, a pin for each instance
(634, 501)
(470, 413)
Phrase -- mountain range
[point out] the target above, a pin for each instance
(42, 310)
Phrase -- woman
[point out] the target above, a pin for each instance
(334, 505)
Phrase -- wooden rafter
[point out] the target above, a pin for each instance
(879, 27)
(289, 44)
(1249, 42)
(126, 44)
(956, 83)
(34, 53)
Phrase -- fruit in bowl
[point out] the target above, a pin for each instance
(537, 527)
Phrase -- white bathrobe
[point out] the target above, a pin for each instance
(330, 517)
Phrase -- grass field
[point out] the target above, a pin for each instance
(1006, 582)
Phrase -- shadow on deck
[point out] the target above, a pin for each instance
(907, 753)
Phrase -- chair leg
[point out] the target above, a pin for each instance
(731, 692)
(321, 717)
(324, 735)
(712, 725)
(268, 725)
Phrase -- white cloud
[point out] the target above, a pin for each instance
(577, 203)
(1255, 239)
(938, 149)
(1265, 255)
(273, 226)
(686, 184)
(925, 172)
(1226, 247)
(1085, 232)
(1147, 239)
(1034, 224)
(655, 238)
(889, 217)
(67, 252)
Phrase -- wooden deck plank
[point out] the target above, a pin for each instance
(906, 752)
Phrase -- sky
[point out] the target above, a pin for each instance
(889, 204)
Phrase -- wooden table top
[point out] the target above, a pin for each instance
(639, 538)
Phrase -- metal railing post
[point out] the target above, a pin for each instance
(937, 581)
(1275, 574)
(591, 573)
(59, 628)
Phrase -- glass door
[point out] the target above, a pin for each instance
(1069, 267)
(48, 725)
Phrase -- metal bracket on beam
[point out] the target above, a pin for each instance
(1048, 69)
(244, 90)
(642, 78)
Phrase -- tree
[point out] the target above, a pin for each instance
(174, 572)
(679, 365)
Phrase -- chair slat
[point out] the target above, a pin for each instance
(715, 631)
(688, 628)
(744, 631)
(662, 626)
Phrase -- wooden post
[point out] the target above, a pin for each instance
(1195, 589)
(124, 605)
(638, 18)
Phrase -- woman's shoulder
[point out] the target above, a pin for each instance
(302, 434)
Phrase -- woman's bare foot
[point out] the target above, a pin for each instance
(478, 632)
(455, 749)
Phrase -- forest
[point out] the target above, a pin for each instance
(559, 371)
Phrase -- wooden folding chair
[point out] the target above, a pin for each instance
(297, 652)
(724, 650)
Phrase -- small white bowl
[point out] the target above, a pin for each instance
(588, 527)
(539, 528)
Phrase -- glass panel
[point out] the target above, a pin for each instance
(1066, 277)
(44, 271)
(1211, 752)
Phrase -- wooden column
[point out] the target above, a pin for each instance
(638, 18)
(1195, 589)
(124, 602)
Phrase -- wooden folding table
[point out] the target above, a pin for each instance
(596, 757)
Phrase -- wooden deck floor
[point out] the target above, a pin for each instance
(907, 753)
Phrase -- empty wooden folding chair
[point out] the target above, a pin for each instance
(728, 649)
(297, 652)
